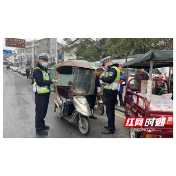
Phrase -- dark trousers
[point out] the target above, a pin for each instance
(120, 98)
(110, 101)
(40, 110)
(27, 76)
(91, 100)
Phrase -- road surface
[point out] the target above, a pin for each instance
(19, 114)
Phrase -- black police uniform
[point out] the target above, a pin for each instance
(110, 97)
(92, 98)
(42, 99)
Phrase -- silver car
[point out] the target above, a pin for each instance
(15, 69)
(23, 71)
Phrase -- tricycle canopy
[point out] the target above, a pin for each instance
(160, 58)
(79, 63)
(80, 75)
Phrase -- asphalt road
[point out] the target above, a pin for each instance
(19, 114)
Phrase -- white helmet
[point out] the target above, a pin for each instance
(44, 56)
(106, 59)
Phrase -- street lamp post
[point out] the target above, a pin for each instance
(33, 54)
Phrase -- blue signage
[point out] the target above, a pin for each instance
(7, 51)
(25, 63)
(60, 56)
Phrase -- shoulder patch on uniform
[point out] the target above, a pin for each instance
(111, 73)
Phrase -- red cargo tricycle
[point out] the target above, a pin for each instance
(144, 98)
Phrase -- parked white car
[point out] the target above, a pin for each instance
(19, 70)
(12, 67)
(16, 69)
(23, 71)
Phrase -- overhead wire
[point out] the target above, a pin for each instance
(69, 44)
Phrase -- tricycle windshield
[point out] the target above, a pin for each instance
(83, 81)
(65, 79)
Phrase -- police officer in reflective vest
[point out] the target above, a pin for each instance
(42, 93)
(111, 88)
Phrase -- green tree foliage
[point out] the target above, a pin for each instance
(131, 46)
(87, 48)
(164, 43)
(121, 46)
(93, 50)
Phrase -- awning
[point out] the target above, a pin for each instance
(161, 58)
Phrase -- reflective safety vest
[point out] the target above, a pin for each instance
(115, 84)
(43, 89)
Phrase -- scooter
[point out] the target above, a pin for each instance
(75, 109)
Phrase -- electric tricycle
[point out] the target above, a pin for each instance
(75, 80)
(146, 98)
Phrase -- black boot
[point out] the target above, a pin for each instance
(42, 132)
(46, 127)
(107, 132)
(107, 127)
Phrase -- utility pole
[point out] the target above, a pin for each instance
(33, 54)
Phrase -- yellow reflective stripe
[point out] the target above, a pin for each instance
(117, 79)
(106, 87)
(44, 72)
(44, 79)
(118, 74)
(44, 91)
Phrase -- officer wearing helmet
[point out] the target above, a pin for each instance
(111, 88)
(42, 93)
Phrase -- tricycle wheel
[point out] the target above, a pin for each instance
(56, 109)
(133, 133)
(100, 108)
(84, 126)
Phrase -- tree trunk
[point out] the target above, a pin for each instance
(144, 44)
(144, 49)
(126, 58)
(171, 44)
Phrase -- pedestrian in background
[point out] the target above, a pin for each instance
(122, 78)
(140, 73)
(27, 72)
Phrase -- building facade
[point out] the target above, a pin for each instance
(11, 59)
(69, 56)
(34, 48)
